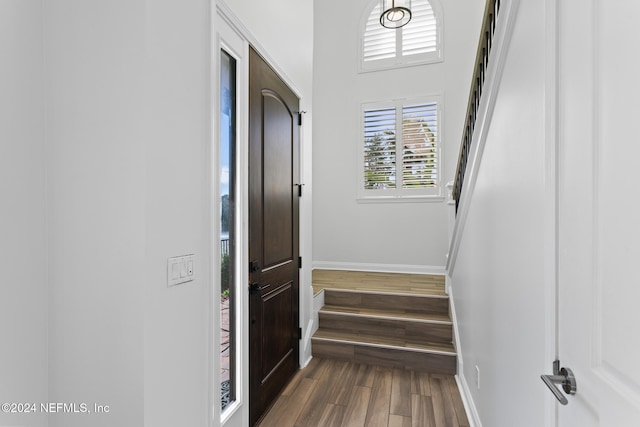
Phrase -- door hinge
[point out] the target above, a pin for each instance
(299, 189)
(299, 262)
(299, 333)
(300, 117)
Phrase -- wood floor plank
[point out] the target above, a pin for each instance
(311, 413)
(401, 393)
(332, 416)
(378, 413)
(422, 411)
(356, 413)
(420, 383)
(343, 384)
(463, 421)
(399, 420)
(376, 397)
(366, 375)
(451, 419)
(443, 410)
(317, 370)
(286, 409)
(302, 373)
(271, 418)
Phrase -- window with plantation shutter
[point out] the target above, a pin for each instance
(379, 42)
(380, 148)
(419, 146)
(417, 42)
(400, 150)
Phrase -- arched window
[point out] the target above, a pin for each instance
(418, 42)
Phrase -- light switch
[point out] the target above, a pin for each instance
(180, 270)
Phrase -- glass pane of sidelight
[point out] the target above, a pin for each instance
(227, 236)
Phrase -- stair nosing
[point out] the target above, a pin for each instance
(388, 346)
(372, 292)
(400, 319)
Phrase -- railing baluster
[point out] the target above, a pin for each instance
(475, 94)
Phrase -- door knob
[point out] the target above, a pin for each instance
(563, 376)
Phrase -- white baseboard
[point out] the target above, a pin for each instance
(379, 268)
(305, 362)
(318, 302)
(463, 386)
(467, 401)
(306, 353)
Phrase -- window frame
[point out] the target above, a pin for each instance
(404, 195)
(400, 61)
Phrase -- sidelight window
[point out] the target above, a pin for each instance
(228, 297)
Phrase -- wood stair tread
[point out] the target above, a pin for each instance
(391, 314)
(385, 291)
(399, 283)
(386, 342)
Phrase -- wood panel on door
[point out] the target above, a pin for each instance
(273, 235)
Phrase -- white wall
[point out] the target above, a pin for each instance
(177, 136)
(94, 87)
(348, 233)
(128, 124)
(23, 293)
(499, 276)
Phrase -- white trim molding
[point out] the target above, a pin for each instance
(378, 268)
(463, 386)
(467, 401)
(497, 58)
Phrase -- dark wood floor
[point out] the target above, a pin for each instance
(337, 393)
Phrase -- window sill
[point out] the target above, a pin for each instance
(394, 64)
(401, 199)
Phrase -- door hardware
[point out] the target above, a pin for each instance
(563, 376)
(256, 287)
(254, 266)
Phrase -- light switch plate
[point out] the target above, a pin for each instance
(180, 270)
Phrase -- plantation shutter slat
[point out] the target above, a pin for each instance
(379, 42)
(379, 148)
(420, 34)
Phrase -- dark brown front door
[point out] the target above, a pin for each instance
(273, 235)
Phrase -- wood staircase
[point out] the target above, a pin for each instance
(385, 319)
